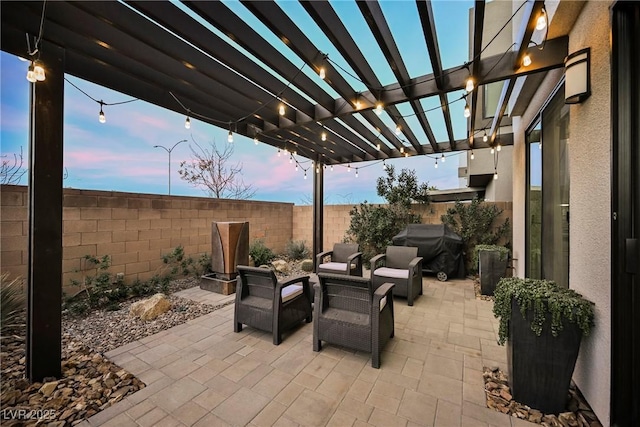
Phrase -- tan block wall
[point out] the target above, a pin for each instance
(337, 220)
(135, 229)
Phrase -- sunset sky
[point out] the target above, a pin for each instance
(119, 155)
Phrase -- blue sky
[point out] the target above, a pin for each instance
(119, 155)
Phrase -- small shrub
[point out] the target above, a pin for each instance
(13, 301)
(296, 249)
(475, 222)
(260, 253)
(177, 264)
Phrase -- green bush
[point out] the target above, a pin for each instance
(475, 222)
(260, 253)
(543, 297)
(373, 226)
(12, 301)
(296, 249)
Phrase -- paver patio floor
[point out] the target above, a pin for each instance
(201, 373)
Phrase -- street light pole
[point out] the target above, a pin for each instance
(169, 150)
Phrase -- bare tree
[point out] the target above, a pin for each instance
(210, 169)
(11, 169)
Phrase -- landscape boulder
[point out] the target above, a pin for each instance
(280, 265)
(150, 308)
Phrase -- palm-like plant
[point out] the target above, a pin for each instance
(13, 301)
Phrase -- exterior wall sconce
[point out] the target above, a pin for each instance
(577, 71)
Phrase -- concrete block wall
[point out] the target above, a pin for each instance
(337, 220)
(135, 229)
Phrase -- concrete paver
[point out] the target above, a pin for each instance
(201, 373)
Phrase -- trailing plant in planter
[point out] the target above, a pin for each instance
(545, 298)
(543, 339)
(504, 252)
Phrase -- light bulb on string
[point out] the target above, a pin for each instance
(436, 165)
(255, 140)
(322, 73)
(296, 166)
(467, 110)
(31, 74)
(498, 147)
(357, 104)
(541, 23)
(349, 167)
(401, 150)
(39, 72)
(331, 168)
(290, 159)
(495, 174)
(317, 167)
(526, 61)
(278, 152)
(406, 154)
(472, 155)
(384, 165)
(356, 172)
(378, 146)
(305, 174)
(485, 138)
(492, 150)
(281, 109)
(101, 117)
(187, 123)
(323, 136)
(378, 109)
(469, 85)
(230, 137)
(398, 130)
(443, 158)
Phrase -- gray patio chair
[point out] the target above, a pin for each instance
(350, 313)
(343, 259)
(402, 266)
(265, 303)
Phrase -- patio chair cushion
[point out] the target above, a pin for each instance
(394, 273)
(336, 266)
(290, 292)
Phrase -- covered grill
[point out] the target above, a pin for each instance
(440, 248)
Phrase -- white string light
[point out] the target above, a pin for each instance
(356, 172)
(470, 85)
(281, 109)
(323, 136)
(443, 158)
(101, 117)
(187, 123)
(467, 110)
(436, 165)
(472, 155)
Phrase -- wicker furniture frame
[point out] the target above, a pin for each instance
(347, 313)
(342, 253)
(400, 258)
(259, 302)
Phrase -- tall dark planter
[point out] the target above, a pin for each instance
(491, 269)
(540, 368)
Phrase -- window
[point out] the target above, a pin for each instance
(547, 199)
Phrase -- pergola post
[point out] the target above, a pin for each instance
(44, 263)
(318, 209)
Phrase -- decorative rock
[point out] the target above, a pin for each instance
(280, 265)
(48, 388)
(150, 308)
(499, 398)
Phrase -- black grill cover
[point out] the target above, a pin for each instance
(440, 248)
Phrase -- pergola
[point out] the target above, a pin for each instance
(168, 54)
